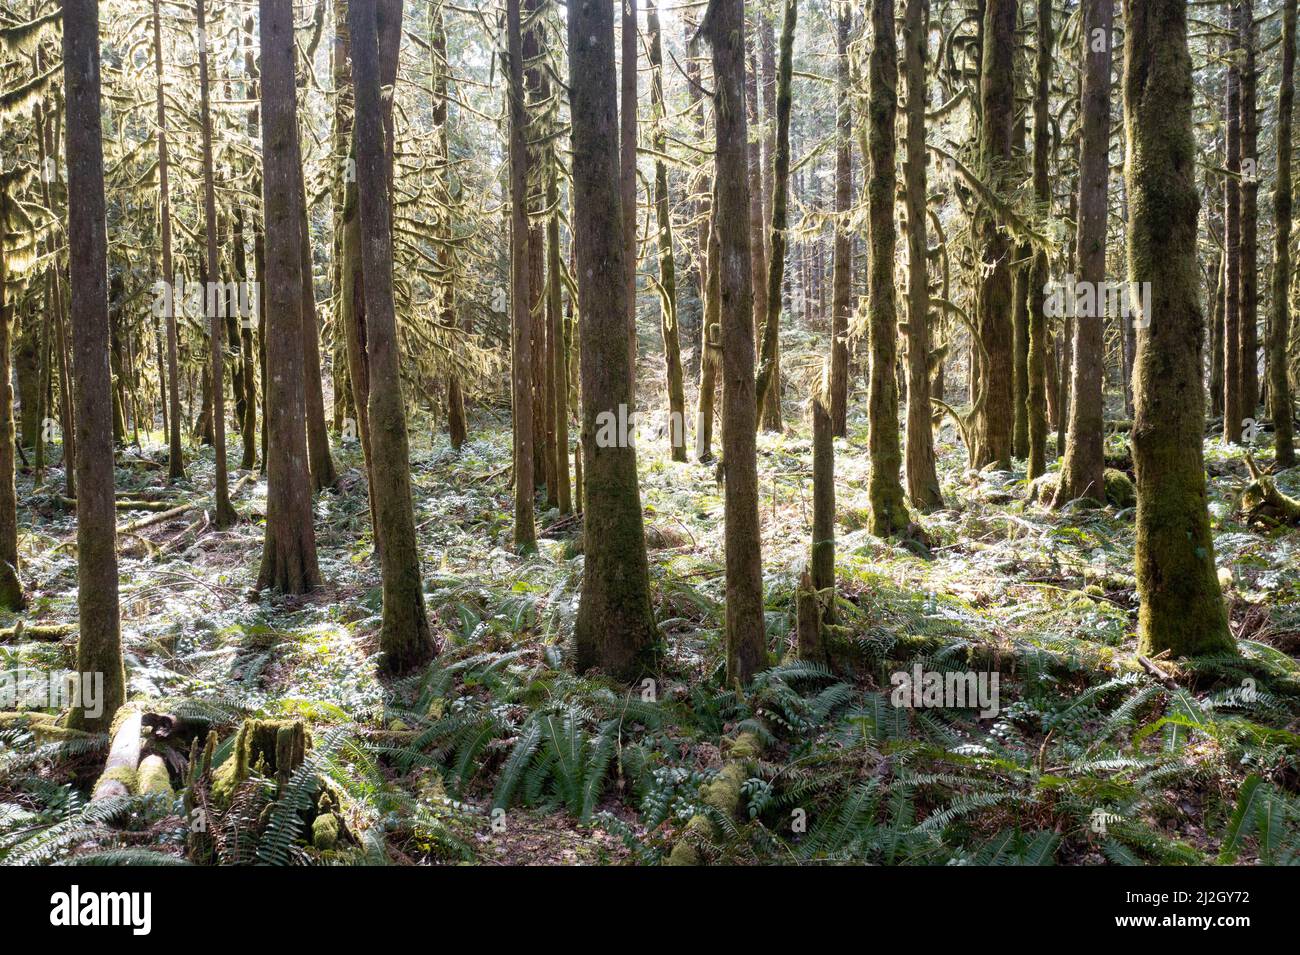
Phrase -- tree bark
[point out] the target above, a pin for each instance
(1249, 166)
(1039, 395)
(991, 428)
(746, 639)
(842, 268)
(768, 385)
(99, 645)
(888, 510)
(520, 296)
(1279, 384)
(1084, 463)
(627, 178)
(223, 513)
(1181, 607)
(175, 458)
(922, 479)
(1234, 405)
(405, 640)
(615, 628)
(289, 545)
(667, 268)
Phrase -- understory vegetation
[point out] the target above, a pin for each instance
(498, 752)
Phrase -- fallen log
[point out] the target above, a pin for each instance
(1262, 502)
(119, 775)
(43, 632)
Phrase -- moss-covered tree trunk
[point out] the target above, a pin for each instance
(99, 643)
(1248, 163)
(615, 628)
(888, 510)
(724, 29)
(1085, 462)
(405, 639)
(289, 545)
(1234, 406)
(1039, 396)
(521, 360)
(223, 513)
(1281, 406)
(768, 385)
(627, 177)
(668, 324)
(11, 591)
(757, 224)
(842, 266)
(922, 479)
(1181, 607)
(710, 342)
(175, 458)
(993, 418)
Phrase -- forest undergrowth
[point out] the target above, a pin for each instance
(498, 753)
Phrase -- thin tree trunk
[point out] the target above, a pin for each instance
(842, 269)
(768, 385)
(1249, 166)
(223, 513)
(1234, 405)
(405, 639)
(922, 480)
(1084, 463)
(746, 639)
(993, 416)
(667, 268)
(627, 177)
(1279, 384)
(888, 510)
(520, 297)
(99, 643)
(1039, 395)
(175, 459)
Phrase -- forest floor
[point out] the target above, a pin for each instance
(499, 754)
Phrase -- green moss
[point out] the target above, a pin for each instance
(723, 794)
(270, 747)
(122, 774)
(152, 777)
(1119, 489)
(325, 832)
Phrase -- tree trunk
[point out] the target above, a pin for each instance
(615, 628)
(1084, 463)
(842, 269)
(888, 511)
(1279, 383)
(711, 341)
(520, 296)
(993, 416)
(223, 513)
(175, 459)
(1181, 607)
(746, 638)
(405, 640)
(768, 385)
(922, 480)
(627, 178)
(1039, 395)
(1248, 163)
(1234, 405)
(289, 544)
(99, 644)
(667, 268)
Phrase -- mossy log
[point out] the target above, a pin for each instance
(46, 727)
(43, 632)
(152, 777)
(722, 795)
(1262, 502)
(272, 748)
(119, 777)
